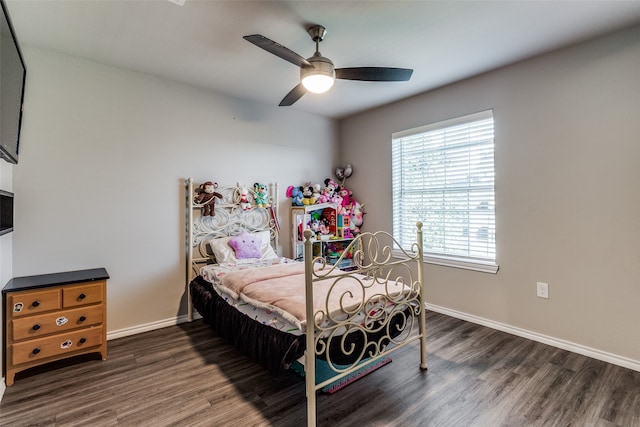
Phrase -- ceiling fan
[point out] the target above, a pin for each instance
(317, 73)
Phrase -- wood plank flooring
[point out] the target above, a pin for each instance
(185, 376)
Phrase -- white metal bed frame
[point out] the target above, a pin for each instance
(376, 263)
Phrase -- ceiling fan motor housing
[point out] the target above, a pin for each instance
(317, 32)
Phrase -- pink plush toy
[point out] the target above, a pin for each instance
(325, 196)
(347, 201)
(328, 191)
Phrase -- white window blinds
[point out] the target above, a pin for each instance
(443, 176)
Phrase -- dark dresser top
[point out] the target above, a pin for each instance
(54, 279)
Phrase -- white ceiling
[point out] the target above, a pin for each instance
(201, 43)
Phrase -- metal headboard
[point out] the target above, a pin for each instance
(230, 219)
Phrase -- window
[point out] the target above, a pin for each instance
(443, 176)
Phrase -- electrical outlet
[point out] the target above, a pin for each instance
(543, 290)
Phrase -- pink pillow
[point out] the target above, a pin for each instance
(245, 246)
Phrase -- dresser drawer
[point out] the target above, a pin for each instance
(33, 302)
(55, 345)
(73, 296)
(60, 321)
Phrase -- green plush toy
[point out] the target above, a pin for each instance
(261, 195)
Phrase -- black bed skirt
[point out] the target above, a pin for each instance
(271, 348)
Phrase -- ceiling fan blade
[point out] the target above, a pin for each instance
(295, 94)
(374, 74)
(278, 50)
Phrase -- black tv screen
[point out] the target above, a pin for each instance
(6, 212)
(12, 77)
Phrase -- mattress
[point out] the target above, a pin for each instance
(213, 273)
(274, 294)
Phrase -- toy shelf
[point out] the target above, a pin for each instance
(333, 233)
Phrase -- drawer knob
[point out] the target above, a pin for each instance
(36, 327)
(35, 303)
(82, 318)
(35, 350)
(82, 340)
(82, 296)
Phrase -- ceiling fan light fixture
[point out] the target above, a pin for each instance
(318, 83)
(317, 74)
(320, 77)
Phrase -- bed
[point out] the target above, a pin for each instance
(260, 302)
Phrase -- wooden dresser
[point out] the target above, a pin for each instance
(54, 316)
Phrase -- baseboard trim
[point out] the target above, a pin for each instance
(3, 387)
(147, 327)
(545, 339)
(524, 333)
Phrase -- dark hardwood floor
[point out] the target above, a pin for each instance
(186, 376)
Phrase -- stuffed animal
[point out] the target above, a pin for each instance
(327, 192)
(245, 246)
(336, 199)
(347, 201)
(295, 194)
(307, 194)
(262, 195)
(317, 191)
(325, 196)
(357, 217)
(244, 202)
(315, 226)
(324, 227)
(331, 184)
(206, 196)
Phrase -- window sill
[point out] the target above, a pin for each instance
(483, 267)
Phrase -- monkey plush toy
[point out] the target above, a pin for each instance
(207, 197)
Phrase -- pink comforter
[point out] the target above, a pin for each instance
(281, 288)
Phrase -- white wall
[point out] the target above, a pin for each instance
(567, 135)
(100, 181)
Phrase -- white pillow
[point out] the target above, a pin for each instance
(266, 250)
(224, 254)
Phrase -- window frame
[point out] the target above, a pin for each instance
(465, 261)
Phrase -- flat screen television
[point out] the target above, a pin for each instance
(12, 78)
(6, 212)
